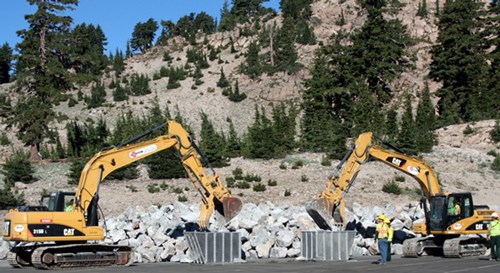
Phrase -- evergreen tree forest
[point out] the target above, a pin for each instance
(349, 87)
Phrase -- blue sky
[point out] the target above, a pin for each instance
(117, 18)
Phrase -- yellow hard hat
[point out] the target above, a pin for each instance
(381, 217)
(387, 220)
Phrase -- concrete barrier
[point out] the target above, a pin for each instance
(327, 245)
(214, 247)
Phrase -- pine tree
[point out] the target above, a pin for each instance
(284, 126)
(406, 138)
(252, 66)
(259, 141)
(425, 122)
(143, 35)
(212, 143)
(97, 96)
(391, 125)
(222, 82)
(422, 9)
(120, 93)
(285, 53)
(5, 63)
(48, 74)
(321, 127)
(366, 116)
(17, 167)
(299, 12)
(118, 62)
(458, 63)
(491, 35)
(227, 22)
(87, 51)
(233, 141)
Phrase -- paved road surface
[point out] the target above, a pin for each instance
(364, 264)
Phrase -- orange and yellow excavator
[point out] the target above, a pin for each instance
(51, 236)
(454, 232)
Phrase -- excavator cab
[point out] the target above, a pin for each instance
(57, 201)
(449, 209)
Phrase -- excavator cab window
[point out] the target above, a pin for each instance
(439, 211)
(460, 206)
(59, 200)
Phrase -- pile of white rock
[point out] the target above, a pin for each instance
(267, 231)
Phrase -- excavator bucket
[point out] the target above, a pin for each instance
(229, 207)
(321, 212)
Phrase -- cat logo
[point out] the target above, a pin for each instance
(396, 161)
(69, 231)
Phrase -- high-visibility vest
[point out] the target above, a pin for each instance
(494, 228)
(391, 234)
(383, 230)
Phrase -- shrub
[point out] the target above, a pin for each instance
(230, 182)
(72, 102)
(325, 161)
(297, 164)
(414, 193)
(182, 198)
(287, 193)
(9, 199)
(468, 130)
(131, 188)
(177, 190)
(392, 187)
(17, 167)
(495, 133)
(259, 187)
(492, 153)
(399, 178)
(238, 173)
(304, 178)
(252, 178)
(272, 182)
(4, 140)
(243, 185)
(153, 188)
(163, 186)
(283, 166)
(496, 164)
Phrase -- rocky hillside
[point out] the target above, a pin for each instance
(279, 87)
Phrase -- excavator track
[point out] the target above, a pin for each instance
(461, 247)
(413, 247)
(75, 255)
(19, 257)
(451, 248)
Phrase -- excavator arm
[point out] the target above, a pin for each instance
(330, 203)
(213, 194)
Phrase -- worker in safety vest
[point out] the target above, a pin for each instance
(494, 236)
(389, 238)
(382, 238)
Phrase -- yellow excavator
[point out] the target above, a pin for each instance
(49, 236)
(448, 231)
